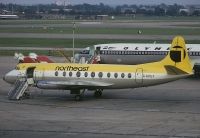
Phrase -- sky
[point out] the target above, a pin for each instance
(108, 2)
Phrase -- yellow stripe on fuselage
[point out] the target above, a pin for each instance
(156, 67)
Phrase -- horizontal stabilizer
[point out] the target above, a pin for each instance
(172, 70)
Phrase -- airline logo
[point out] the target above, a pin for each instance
(71, 68)
(109, 48)
(140, 48)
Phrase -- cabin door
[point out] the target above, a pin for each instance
(30, 75)
(39, 75)
(139, 76)
(30, 72)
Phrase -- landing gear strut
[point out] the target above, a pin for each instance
(78, 94)
(25, 96)
(78, 97)
(98, 93)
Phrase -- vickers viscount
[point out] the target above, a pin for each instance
(80, 77)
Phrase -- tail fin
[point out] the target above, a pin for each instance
(178, 56)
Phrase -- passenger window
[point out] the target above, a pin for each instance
(70, 73)
(115, 75)
(78, 74)
(129, 75)
(86, 74)
(122, 75)
(100, 75)
(93, 74)
(108, 75)
(56, 73)
(64, 74)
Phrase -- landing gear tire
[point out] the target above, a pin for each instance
(26, 95)
(78, 98)
(98, 93)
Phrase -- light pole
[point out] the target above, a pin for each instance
(74, 27)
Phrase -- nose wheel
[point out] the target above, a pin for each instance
(78, 97)
(98, 93)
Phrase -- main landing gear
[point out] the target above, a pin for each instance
(98, 93)
(79, 93)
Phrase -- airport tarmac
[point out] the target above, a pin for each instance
(168, 110)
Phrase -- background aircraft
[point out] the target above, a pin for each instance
(32, 58)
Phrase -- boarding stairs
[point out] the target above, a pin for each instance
(19, 88)
(93, 60)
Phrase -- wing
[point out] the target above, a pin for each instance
(72, 84)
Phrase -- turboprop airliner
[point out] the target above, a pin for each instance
(80, 77)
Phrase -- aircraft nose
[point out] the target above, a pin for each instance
(4, 78)
(11, 76)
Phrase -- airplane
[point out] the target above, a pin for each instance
(8, 16)
(32, 58)
(128, 53)
(80, 77)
